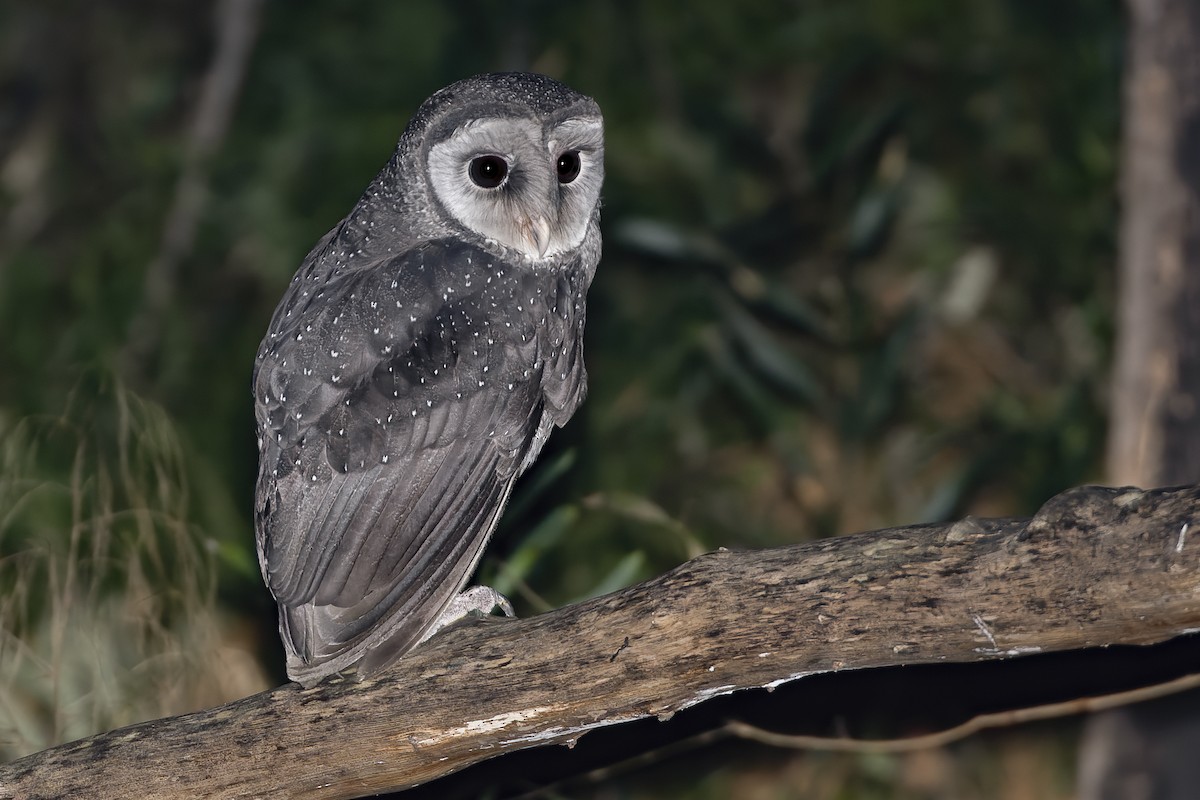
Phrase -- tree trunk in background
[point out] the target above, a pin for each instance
(1154, 436)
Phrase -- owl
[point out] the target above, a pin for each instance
(417, 363)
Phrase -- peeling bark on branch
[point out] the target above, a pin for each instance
(1095, 566)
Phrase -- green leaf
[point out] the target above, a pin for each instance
(518, 566)
(628, 569)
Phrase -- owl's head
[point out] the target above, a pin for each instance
(517, 158)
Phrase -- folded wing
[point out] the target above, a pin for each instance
(396, 406)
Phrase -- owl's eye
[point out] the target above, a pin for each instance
(488, 172)
(568, 166)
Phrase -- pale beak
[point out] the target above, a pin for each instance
(537, 232)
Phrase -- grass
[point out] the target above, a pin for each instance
(108, 607)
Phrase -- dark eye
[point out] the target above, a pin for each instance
(568, 166)
(488, 172)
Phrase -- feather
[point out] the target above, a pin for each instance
(379, 489)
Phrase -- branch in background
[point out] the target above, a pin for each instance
(972, 726)
(237, 24)
(1094, 567)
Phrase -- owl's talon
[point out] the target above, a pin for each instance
(476, 601)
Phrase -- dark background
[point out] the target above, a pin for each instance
(858, 271)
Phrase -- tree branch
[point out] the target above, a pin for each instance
(1094, 567)
(972, 726)
(237, 24)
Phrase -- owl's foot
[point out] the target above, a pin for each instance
(476, 601)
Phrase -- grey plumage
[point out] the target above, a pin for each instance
(418, 361)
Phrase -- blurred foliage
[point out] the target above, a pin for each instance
(857, 272)
(107, 593)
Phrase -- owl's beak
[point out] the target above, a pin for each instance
(537, 232)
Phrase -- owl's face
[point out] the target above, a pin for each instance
(528, 181)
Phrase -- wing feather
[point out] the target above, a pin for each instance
(390, 442)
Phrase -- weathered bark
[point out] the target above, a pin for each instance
(1094, 567)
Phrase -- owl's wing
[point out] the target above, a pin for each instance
(396, 406)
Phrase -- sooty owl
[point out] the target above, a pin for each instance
(418, 361)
